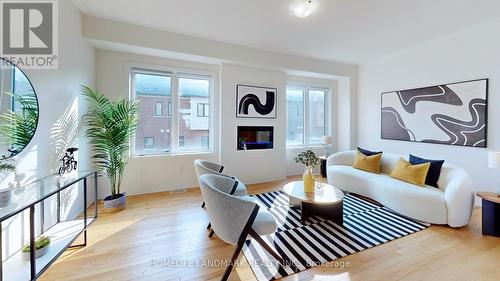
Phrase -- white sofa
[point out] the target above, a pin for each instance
(451, 204)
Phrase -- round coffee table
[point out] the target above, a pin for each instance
(326, 201)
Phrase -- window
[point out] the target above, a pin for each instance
(193, 91)
(203, 110)
(149, 143)
(181, 105)
(159, 109)
(306, 110)
(295, 118)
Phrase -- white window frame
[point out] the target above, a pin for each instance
(327, 112)
(175, 74)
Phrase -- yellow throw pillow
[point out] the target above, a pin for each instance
(407, 172)
(368, 163)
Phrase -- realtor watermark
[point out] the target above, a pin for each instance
(29, 33)
(210, 263)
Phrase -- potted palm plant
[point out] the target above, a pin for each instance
(110, 125)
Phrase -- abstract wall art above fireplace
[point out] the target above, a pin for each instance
(255, 102)
(454, 114)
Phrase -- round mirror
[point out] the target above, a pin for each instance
(18, 110)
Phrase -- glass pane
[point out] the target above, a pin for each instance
(22, 87)
(149, 143)
(295, 116)
(194, 123)
(206, 110)
(159, 108)
(316, 115)
(153, 131)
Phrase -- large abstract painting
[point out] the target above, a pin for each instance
(454, 114)
(255, 102)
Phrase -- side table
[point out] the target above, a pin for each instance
(322, 166)
(491, 213)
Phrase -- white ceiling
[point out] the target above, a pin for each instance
(352, 31)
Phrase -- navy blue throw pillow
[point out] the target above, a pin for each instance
(368, 152)
(434, 170)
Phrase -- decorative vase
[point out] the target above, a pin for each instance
(308, 180)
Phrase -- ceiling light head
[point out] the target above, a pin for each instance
(303, 8)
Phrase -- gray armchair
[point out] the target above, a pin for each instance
(203, 167)
(233, 218)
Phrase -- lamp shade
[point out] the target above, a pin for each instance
(327, 139)
(494, 159)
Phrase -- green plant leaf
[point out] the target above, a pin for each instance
(17, 128)
(41, 242)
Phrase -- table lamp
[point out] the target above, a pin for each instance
(494, 161)
(327, 140)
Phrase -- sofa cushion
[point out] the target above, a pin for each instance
(368, 152)
(434, 170)
(407, 172)
(367, 163)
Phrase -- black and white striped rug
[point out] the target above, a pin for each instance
(318, 241)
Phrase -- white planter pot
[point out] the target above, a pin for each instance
(5, 197)
(38, 253)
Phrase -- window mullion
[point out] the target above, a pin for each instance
(132, 95)
(306, 116)
(174, 133)
(211, 115)
(328, 118)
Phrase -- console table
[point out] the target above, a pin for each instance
(32, 199)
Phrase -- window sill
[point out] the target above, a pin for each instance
(177, 154)
(297, 147)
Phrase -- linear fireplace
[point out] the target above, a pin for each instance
(253, 137)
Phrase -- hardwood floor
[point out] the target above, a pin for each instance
(163, 236)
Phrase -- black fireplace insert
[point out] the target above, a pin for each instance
(255, 137)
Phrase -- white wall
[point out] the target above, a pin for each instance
(148, 174)
(252, 166)
(159, 42)
(468, 54)
(60, 111)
